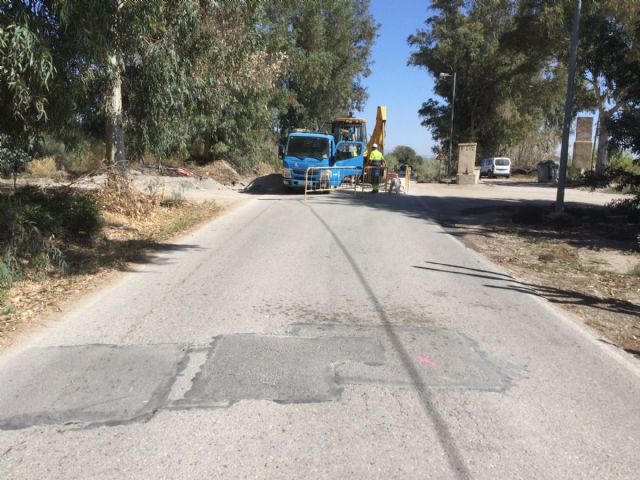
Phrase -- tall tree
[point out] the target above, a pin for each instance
(162, 74)
(407, 155)
(502, 94)
(26, 69)
(608, 63)
(328, 44)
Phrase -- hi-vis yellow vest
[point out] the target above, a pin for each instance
(375, 156)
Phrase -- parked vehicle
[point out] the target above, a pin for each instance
(495, 167)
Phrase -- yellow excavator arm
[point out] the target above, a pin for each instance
(379, 131)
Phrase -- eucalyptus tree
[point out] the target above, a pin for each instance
(117, 50)
(502, 94)
(608, 54)
(328, 45)
(610, 63)
(163, 74)
(26, 69)
(173, 71)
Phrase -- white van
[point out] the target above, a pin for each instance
(495, 167)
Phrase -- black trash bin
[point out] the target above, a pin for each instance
(543, 172)
(548, 171)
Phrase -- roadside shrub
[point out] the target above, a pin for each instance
(86, 157)
(623, 162)
(428, 171)
(44, 167)
(47, 146)
(31, 219)
(58, 212)
(28, 249)
(13, 159)
(624, 175)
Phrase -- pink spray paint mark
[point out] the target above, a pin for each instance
(426, 360)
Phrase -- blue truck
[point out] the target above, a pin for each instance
(304, 150)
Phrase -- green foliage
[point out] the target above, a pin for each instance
(625, 126)
(392, 162)
(224, 75)
(407, 155)
(608, 79)
(621, 161)
(31, 219)
(12, 157)
(26, 69)
(25, 66)
(328, 45)
(428, 170)
(60, 213)
(510, 58)
(501, 93)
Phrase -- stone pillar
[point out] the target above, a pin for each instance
(583, 147)
(467, 174)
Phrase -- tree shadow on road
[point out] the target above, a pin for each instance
(583, 225)
(123, 255)
(553, 294)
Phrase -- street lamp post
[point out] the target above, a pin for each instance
(453, 102)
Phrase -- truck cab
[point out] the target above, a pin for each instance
(305, 150)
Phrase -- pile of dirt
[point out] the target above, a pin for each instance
(264, 169)
(117, 195)
(221, 171)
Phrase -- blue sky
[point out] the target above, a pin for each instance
(393, 83)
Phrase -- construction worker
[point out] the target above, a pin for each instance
(376, 160)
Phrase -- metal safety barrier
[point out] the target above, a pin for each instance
(368, 176)
(322, 181)
(363, 178)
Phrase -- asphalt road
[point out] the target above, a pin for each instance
(342, 337)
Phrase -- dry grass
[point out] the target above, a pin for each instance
(87, 158)
(264, 168)
(45, 167)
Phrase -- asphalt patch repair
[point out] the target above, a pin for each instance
(91, 385)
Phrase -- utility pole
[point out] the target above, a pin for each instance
(568, 108)
(453, 102)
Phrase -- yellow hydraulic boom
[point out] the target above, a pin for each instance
(379, 131)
